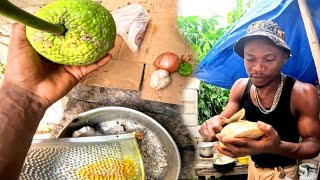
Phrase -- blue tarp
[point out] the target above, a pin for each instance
(222, 66)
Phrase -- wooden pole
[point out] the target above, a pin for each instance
(311, 33)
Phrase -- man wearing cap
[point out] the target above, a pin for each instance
(284, 108)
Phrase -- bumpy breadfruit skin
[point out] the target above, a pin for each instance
(90, 35)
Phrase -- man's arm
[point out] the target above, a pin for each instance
(31, 84)
(235, 98)
(213, 125)
(20, 114)
(305, 103)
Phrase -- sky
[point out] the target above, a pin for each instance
(204, 8)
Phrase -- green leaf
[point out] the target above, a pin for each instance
(207, 113)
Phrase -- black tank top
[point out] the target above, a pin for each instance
(281, 119)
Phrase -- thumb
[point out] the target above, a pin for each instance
(224, 120)
(18, 44)
(264, 127)
(92, 67)
(18, 36)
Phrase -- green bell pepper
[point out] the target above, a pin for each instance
(185, 69)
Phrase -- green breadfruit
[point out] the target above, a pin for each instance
(70, 32)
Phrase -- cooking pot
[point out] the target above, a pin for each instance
(104, 114)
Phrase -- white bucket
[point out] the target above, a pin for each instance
(308, 171)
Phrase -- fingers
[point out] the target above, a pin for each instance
(217, 125)
(237, 146)
(237, 142)
(22, 58)
(210, 127)
(104, 60)
(230, 142)
(206, 130)
(266, 128)
(18, 30)
(209, 130)
(97, 65)
(19, 46)
(225, 151)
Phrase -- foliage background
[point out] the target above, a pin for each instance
(202, 34)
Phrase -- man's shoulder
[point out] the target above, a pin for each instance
(304, 93)
(305, 100)
(241, 82)
(238, 88)
(302, 88)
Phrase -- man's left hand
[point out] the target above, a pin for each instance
(236, 147)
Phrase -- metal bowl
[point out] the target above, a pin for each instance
(96, 116)
(206, 149)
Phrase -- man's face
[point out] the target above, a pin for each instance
(263, 61)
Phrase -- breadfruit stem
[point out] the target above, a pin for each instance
(13, 12)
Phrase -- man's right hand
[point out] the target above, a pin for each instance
(211, 127)
(30, 71)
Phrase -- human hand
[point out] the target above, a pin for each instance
(211, 127)
(236, 147)
(28, 70)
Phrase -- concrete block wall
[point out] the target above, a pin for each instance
(190, 105)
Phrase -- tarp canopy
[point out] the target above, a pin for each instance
(222, 66)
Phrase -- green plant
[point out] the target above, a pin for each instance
(211, 101)
(239, 9)
(235, 14)
(200, 33)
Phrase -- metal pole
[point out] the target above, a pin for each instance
(311, 33)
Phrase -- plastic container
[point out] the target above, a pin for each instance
(244, 160)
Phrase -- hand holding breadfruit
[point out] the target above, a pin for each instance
(241, 129)
(73, 32)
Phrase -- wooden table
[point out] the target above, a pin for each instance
(132, 70)
(205, 168)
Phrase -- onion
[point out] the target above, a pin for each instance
(167, 61)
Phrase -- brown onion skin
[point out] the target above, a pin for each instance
(167, 61)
